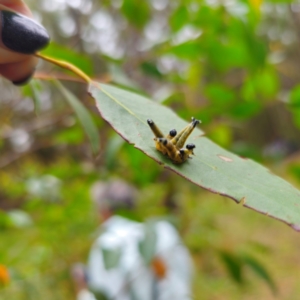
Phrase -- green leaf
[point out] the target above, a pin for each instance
(188, 50)
(36, 89)
(261, 271)
(179, 18)
(5, 221)
(295, 97)
(213, 167)
(73, 135)
(219, 94)
(235, 53)
(268, 83)
(150, 68)
(244, 110)
(233, 265)
(296, 116)
(83, 116)
(112, 147)
(264, 84)
(137, 12)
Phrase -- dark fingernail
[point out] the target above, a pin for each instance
(23, 80)
(22, 34)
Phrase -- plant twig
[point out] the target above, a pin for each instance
(65, 65)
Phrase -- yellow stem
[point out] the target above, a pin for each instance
(65, 65)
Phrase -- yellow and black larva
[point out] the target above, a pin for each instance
(172, 144)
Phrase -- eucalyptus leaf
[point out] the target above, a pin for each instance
(212, 167)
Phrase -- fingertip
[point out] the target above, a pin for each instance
(19, 73)
(22, 34)
(24, 80)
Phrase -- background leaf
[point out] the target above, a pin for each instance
(83, 116)
(233, 265)
(137, 12)
(36, 90)
(261, 271)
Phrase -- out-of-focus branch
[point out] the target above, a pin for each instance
(37, 124)
(12, 157)
(296, 19)
(55, 75)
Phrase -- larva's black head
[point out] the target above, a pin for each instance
(190, 146)
(173, 132)
(195, 122)
(150, 122)
(163, 141)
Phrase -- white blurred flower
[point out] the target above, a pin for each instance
(19, 218)
(20, 140)
(47, 187)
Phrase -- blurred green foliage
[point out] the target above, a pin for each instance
(232, 64)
